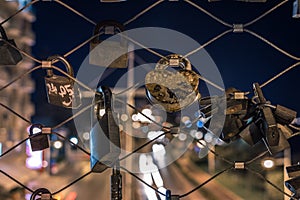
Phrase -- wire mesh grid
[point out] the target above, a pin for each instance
(231, 28)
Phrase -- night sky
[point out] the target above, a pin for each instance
(241, 58)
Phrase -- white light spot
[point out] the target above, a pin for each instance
(57, 144)
(182, 137)
(147, 112)
(198, 135)
(268, 163)
(124, 117)
(74, 140)
(102, 112)
(86, 135)
(208, 137)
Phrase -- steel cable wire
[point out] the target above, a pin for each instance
(129, 21)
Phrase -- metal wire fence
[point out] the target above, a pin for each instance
(231, 28)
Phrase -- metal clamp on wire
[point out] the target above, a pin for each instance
(169, 196)
(239, 165)
(44, 194)
(238, 28)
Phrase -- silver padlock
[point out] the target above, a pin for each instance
(176, 89)
(61, 90)
(108, 53)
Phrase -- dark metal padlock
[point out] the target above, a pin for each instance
(174, 90)
(38, 140)
(61, 90)
(42, 193)
(109, 53)
(8, 54)
(105, 135)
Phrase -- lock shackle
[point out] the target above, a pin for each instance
(166, 61)
(40, 191)
(103, 98)
(3, 33)
(105, 23)
(68, 66)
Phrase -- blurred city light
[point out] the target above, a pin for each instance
(199, 135)
(154, 134)
(268, 163)
(74, 140)
(57, 144)
(86, 135)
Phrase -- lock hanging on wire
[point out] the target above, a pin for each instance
(38, 137)
(8, 54)
(105, 134)
(108, 53)
(172, 89)
(44, 194)
(61, 90)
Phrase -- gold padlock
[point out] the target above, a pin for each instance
(174, 90)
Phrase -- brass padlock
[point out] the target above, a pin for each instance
(174, 90)
(61, 90)
(8, 54)
(110, 53)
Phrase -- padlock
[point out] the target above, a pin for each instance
(38, 138)
(42, 193)
(105, 135)
(110, 53)
(61, 90)
(8, 54)
(174, 90)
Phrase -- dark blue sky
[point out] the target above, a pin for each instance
(241, 58)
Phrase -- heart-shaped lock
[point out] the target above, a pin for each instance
(109, 53)
(176, 89)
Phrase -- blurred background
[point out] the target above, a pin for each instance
(48, 28)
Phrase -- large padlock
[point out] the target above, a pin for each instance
(61, 90)
(109, 53)
(105, 135)
(174, 90)
(8, 54)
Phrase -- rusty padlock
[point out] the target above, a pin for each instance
(8, 54)
(61, 90)
(176, 89)
(108, 53)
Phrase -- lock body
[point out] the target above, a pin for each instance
(105, 135)
(8, 54)
(61, 91)
(108, 53)
(173, 89)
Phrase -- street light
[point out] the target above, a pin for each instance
(268, 163)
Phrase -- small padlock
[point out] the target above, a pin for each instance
(38, 140)
(174, 90)
(8, 54)
(42, 193)
(109, 53)
(62, 91)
